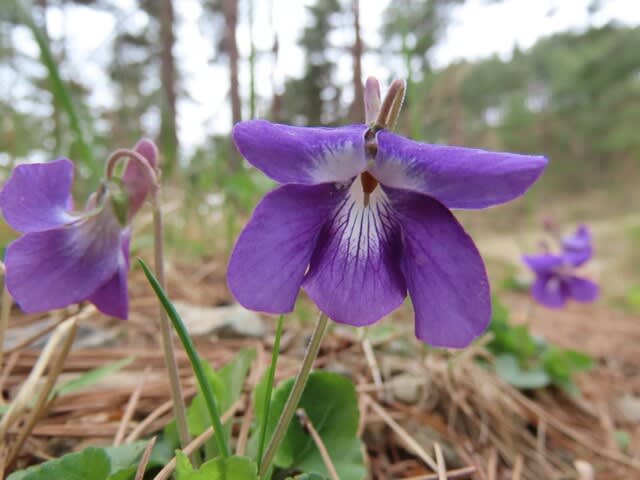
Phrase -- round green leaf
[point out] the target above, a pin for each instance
(331, 404)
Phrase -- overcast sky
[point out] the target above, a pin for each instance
(476, 30)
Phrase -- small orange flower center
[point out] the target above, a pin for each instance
(369, 183)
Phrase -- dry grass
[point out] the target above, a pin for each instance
(462, 421)
(464, 418)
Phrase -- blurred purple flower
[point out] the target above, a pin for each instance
(556, 280)
(64, 256)
(362, 217)
(577, 248)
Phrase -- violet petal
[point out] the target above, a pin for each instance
(550, 290)
(301, 154)
(583, 290)
(113, 297)
(445, 274)
(137, 184)
(37, 196)
(543, 263)
(56, 268)
(355, 275)
(273, 251)
(577, 248)
(136, 177)
(148, 150)
(457, 177)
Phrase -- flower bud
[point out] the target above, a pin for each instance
(371, 99)
(148, 150)
(138, 179)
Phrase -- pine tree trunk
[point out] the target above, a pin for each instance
(457, 132)
(231, 23)
(276, 102)
(357, 107)
(168, 128)
(252, 62)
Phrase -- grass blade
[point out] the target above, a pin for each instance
(92, 376)
(58, 87)
(267, 394)
(194, 359)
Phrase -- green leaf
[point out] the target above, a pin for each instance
(507, 338)
(529, 362)
(561, 365)
(265, 391)
(183, 466)
(93, 463)
(258, 397)
(500, 313)
(232, 468)
(165, 448)
(233, 376)
(170, 439)
(198, 418)
(509, 369)
(309, 476)
(623, 439)
(124, 456)
(124, 474)
(330, 402)
(227, 386)
(92, 376)
(90, 464)
(633, 298)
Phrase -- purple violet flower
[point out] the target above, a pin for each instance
(556, 280)
(65, 257)
(363, 216)
(578, 248)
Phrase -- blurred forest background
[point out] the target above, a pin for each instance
(81, 78)
(573, 96)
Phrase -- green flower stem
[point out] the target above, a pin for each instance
(179, 408)
(194, 359)
(295, 395)
(267, 391)
(5, 310)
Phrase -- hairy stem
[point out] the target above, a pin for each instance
(5, 310)
(295, 395)
(125, 153)
(179, 408)
(194, 358)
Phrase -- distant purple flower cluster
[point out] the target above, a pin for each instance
(66, 256)
(557, 279)
(362, 217)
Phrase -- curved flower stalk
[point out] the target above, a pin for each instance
(557, 276)
(363, 216)
(66, 256)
